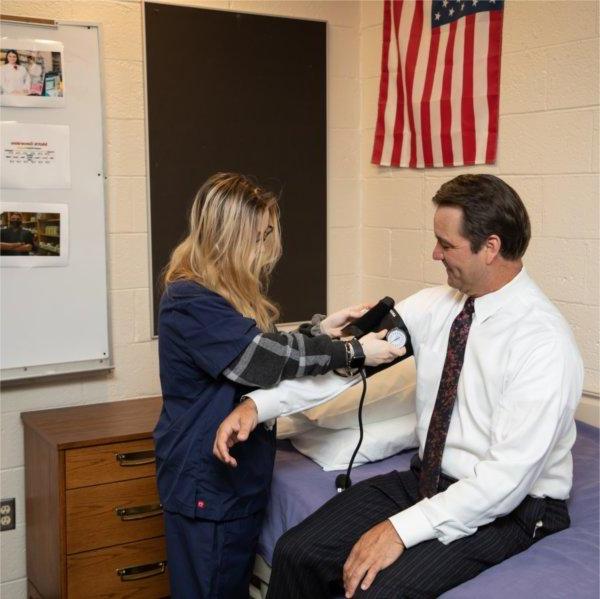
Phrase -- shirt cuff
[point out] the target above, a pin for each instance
(338, 355)
(267, 404)
(412, 526)
(315, 322)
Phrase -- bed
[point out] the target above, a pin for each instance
(561, 566)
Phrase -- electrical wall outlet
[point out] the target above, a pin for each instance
(7, 514)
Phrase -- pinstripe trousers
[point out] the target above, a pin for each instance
(309, 558)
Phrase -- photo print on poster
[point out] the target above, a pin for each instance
(31, 73)
(33, 234)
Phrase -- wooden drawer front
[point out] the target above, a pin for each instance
(109, 463)
(93, 522)
(96, 573)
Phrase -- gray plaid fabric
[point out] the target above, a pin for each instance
(272, 357)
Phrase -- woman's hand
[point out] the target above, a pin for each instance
(378, 350)
(334, 323)
(235, 428)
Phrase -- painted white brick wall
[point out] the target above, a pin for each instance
(135, 353)
(548, 151)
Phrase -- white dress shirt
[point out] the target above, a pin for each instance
(291, 396)
(512, 426)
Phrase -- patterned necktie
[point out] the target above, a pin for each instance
(431, 466)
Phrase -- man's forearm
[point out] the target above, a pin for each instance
(16, 247)
(293, 396)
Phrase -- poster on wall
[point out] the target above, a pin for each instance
(34, 156)
(33, 234)
(31, 73)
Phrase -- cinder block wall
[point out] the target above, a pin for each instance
(135, 353)
(548, 151)
(379, 220)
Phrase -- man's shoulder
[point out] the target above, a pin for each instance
(536, 307)
(8, 235)
(431, 296)
(538, 322)
(429, 304)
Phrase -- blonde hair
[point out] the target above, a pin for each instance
(226, 249)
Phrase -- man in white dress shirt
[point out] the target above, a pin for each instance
(499, 377)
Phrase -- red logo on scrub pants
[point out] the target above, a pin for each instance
(200, 504)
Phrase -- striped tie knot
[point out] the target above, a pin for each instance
(469, 306)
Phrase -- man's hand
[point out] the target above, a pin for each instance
(334, 323)
(236, 427)
(377, 549)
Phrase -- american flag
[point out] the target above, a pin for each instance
(440, 83)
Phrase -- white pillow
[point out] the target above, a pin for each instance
(289, 426)
(332, 449)
(390, 393)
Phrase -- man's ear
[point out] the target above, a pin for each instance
(492, 248)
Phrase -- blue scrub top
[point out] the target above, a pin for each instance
(199, 335)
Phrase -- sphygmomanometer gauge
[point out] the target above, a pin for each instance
(397, 337)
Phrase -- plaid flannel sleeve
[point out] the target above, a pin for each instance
(272, 357)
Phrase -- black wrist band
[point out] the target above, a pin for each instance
(358, 360)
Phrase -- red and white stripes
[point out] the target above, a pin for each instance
(439, 88)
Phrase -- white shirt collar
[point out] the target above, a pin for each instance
(490, 303)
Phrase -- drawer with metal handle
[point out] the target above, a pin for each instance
(139, 512)
(138, 572)
(134, 570)
(109, 463)
(135, 458)
(112, 513)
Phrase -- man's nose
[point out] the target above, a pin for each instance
(438, 253)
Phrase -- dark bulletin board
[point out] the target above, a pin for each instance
(230, 91)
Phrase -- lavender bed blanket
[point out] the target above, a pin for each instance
(564, 565)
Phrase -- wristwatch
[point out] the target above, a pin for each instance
(358, 355)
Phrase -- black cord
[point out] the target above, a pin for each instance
(342, 481)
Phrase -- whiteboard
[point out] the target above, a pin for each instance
(54, 320)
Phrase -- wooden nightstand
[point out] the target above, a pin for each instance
(94, 521)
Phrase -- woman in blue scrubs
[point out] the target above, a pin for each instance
(217, 340)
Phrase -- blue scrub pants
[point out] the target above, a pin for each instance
(208, 559)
